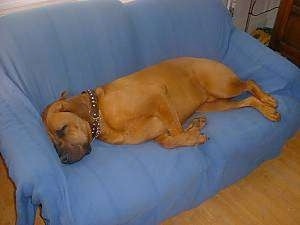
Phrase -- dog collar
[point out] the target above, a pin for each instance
(96, 121)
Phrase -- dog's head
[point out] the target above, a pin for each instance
(67, 128)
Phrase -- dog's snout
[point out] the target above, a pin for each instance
(64, 158)
(69, 154)
(58, 151)
(88, 148)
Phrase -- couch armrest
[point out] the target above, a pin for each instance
(31, 160)
(252, 60)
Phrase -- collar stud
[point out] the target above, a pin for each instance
(96, 121)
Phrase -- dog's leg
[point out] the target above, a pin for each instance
(222, 88)
(226, 104)
(144, 128)
(176, 136)
(255, 90)
(229, 85)
(189, 137)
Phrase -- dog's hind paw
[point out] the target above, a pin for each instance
(270, 113)
(269, 100)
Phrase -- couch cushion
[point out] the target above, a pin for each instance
(252, 60)
(66, 47)
(243, 138)
(168, 29)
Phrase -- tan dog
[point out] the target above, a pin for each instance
(151, 104)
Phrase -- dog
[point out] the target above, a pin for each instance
(151, 104)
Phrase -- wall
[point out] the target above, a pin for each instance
(241, 13)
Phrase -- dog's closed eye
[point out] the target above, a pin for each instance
(61, 132)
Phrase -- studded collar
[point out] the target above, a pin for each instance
(95, 121)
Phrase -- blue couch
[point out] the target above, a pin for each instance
(80, 45)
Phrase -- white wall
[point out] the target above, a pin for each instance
(271, 16)
(241, 13)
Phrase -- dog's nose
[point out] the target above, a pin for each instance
(64, 158)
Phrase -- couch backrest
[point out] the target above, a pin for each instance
(171, 28)
(80, 45)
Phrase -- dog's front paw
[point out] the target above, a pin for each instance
(199, 122)
(203, 138)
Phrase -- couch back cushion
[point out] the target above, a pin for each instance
(81, 45)
(172, 28)
(66, 47)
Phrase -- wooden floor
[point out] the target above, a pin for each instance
(268, 196)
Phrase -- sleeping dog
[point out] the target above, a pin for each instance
(151, 104)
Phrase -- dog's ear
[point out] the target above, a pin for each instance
(63, 95)
(45, 112)
(54, 108)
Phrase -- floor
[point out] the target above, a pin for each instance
(268, 196)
